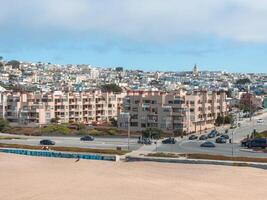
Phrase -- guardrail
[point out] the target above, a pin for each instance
(57, 154)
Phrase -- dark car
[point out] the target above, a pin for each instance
(192, 137)
(225, 136)
(169, 141)
(87, 138)
(203, 137)
(47, 142)
(257, 143)
(212, 134)
(144, 141)
(220, 140)
(218, 134)
(207, 144)
(244, 142)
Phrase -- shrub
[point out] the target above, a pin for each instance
(179, 133)
(83, 132)
(57, 129)
(4, 124)
(95, 132)
(152, 133)
(112, 131)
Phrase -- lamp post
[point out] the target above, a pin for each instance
(232, 140)
(126, 120)
(129, 131)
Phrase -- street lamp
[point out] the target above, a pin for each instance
(232, 140)
(129, 131)
(126, 119)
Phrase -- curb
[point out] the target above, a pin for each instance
(252, 151)
(198, 161)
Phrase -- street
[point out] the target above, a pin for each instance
(98, 143)
(186, 146)
(182, 146)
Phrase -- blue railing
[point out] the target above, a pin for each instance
(57, 154)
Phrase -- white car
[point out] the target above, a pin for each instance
(260, 121)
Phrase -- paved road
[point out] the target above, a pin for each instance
(182, 146)
(186, 146)
(99, 142)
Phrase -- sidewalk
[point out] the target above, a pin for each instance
(183, 160)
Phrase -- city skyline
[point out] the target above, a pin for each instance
(152, 35)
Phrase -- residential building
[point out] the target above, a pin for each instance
(39, 108)
(188, 111)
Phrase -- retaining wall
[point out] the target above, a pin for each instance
(58, 154)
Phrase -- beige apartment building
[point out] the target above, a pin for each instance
(189, 111)
(72, 107)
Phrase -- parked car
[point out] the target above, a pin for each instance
(203, 137)
(169, 141)
(208, 144)
(47, 142)
(244, 142)
(260, 121)
(257, 143)
(218, 134)
(212, 134)
(193, 137)
(233, 126)
(144, 141)
(225, 136)
(220, 140)
(87, 138)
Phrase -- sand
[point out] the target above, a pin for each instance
(37, 178)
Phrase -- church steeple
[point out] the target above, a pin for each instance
(195, 71)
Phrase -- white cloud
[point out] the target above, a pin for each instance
(141, 20)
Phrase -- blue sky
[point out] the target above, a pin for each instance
(153, 35)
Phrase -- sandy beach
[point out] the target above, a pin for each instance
(37, 178)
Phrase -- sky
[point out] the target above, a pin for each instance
(165, 35)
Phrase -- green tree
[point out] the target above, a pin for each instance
(111, 88)
(219, 120)
(114, 122)
(14, 63)
(152, 133)
(228, 119)
(229, 93)
(4, 124)
(243, 81)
